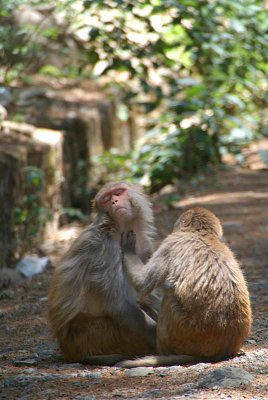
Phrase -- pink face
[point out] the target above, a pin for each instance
(116, 202)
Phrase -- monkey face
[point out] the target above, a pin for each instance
(116, 202)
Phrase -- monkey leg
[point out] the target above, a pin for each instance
(181, 333)
(85, 337)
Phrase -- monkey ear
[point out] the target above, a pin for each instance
(187, 218)
(184, 220)
(93, 205)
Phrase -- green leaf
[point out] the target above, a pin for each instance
(50, 70)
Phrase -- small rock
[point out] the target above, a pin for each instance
(154, 393)
(251, 341)
(26, 362)
(111, 370)
(95, 375)
(19, 380)
(87, 397)
(89, 374)
(29, 370)
(43, 299)
(139, 371)
(45, 353)
(226, 377)
(163, 371)
(176, 368)
(199, 367)
(253, 357)
(71, 365)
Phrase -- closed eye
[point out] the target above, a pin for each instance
(118, 192)
(106, 198)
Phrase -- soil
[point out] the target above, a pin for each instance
(31, 366)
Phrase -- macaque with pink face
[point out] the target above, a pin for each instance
(116, 202)
(93, 308)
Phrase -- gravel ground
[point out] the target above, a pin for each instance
(30, 362)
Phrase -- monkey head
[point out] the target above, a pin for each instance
(199, 219)
(115, 199)
(126, 203)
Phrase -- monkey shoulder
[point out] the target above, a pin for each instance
(179, 244)
(92, 239)
(182, 252)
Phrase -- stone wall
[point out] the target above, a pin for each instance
(26, 202)
(90, 125)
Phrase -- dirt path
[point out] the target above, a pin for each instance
(30, 363)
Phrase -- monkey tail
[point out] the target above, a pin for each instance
(159, 361)
(104, 359)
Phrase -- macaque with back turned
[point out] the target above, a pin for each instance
(205, 313)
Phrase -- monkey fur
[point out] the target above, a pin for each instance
(93, 308)
(205, 313)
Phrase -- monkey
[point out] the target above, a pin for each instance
(93, 309)
(205, 313)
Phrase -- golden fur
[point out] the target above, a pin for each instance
(205, 312)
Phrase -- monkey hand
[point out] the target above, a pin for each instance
(128, 242)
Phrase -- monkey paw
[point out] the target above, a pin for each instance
(128, 242)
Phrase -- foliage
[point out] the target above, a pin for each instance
(181, 153)
(71, 214)
(201, 64)
(16, 48)
(30, 32)
(118, 166)
(196, 68)
(30, 217)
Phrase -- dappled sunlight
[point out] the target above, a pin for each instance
(47, 136)
(226, 197)
(64, 234)
(8, 308)
(68, 232)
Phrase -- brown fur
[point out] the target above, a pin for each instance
(93, 309)
(205, 311)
